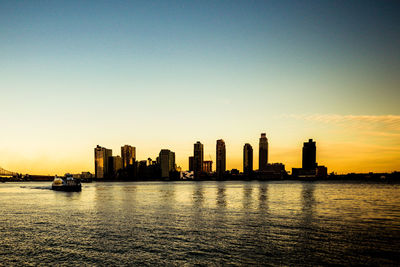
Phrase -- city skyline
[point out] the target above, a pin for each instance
(211, 156)
(164, 75)
(111, 167)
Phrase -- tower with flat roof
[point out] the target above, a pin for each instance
(221, 158)
(309, 155)
(167, 162)
(247, 159)
(198, 158)
(263, 153)
(128, 155)
(102, 167)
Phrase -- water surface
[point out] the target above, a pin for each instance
(240, 223)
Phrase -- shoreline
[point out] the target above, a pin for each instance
(394, 180)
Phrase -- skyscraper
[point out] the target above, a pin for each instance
(167, 162)
(263, 153)
(221, 158)
(128, 154)
(101, 162)
(247, 159)
(198, 158)
(309, 155)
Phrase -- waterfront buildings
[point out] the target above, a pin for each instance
(247, 159)
(198, 158)
(101, 162)
(207, 166)
(263, 153)
(277, 168)
(108, 166)
(322, 172)
(221, 158)
(167, 162)
(115, 164)
(309, 155)
(128, 154)
(310, 168)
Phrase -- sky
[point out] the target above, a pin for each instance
(165, 74)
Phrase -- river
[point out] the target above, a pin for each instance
(210, 223)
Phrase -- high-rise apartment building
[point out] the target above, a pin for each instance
(101, 162)
(128, 154)
(221, 158)
(247, 159)
(198, 158)
(263, 153)
(115, 164)
(309, 155)
(167, 162)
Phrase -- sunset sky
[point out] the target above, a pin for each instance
(165, 74)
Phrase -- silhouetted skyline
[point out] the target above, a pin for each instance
(109, 166)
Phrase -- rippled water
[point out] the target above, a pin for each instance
(243, 223)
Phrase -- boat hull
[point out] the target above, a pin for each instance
(67, 188)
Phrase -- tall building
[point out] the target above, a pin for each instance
(198, 158)
(115, 164)
(309, 155)
(167, 162)
(191, 158)
(247, 159)
(101, 162)
(128, 154)
(263, 153)
(207, 166)
(221, 158)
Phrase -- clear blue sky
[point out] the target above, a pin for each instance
(164, 74)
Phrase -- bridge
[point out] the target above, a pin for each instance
(4, 172)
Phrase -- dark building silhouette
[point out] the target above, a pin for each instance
(198, 158)
(221, 158)
(191, 159)
(310, 168)
(128, 155)
(263, 153)
(167, 162)
(207, 166)
(278, 168)
(235, 172)
(115, 164)
(247, 159)
(142, 169)
(322, 172)
(309, 155)
(101, 162)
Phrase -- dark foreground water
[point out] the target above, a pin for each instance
(212, 223)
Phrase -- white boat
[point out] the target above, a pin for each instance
(67, 183)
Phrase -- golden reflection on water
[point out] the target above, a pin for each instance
(263, 196)
(221, 196)
(275, 198)
(284, 199)
(254, 221)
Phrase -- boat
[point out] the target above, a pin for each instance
(67, 183)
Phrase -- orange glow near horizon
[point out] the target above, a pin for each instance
(344, 145)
